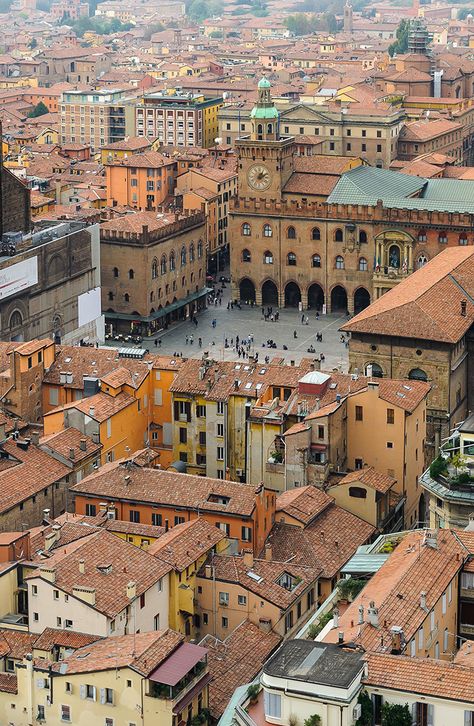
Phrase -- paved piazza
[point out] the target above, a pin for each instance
(248, 321)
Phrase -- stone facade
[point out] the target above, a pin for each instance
(15, 215)
(155, 273)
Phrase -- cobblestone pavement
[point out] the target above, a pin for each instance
(249, 321)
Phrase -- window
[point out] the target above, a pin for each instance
(417, 374)
(463, 239)
(443, 603)
(192, 253)
(116, 272)
(55, 594)
(268, 258)
(202, 438)
(363, 264)
(109, 721)
(131, 274)
(172, 262)
(389, 444)
(220, 407)
(91, 510)
(200, 249)
(88, 692)
(291, 259)
(178, 520)
(291, 233)
(420, 638)
(390, 415)
(142, 601)
(68, 624)
(225, 622)
(364, 147)
(349, 146)
(134, 516)
(40, 714)
(107, 696)
(246, 534)
(316, 233)
(443, 238)
(183, 256)
(339, 262)
(36, 617)
(359, 413)
(316, 261)
(65, 713)
(246, 256)
(220, 453)
(223, 598)
(331, 146)
(288, 621)
(34, 589)
(242, 600)
(272, 703)
(183, 436)
(358, 492)
(379, 148)
(267, 230)
(423, 713)
(362, 237)
(220, 473)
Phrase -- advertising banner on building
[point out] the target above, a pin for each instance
(18, 277)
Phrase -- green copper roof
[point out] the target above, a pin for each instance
(365, 185)
(264, 83)
(269, 112)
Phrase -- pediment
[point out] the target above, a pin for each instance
(303, 113)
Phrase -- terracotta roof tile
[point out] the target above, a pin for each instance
(303, 503)
(185, 543)
(64, 638)
(370, 476)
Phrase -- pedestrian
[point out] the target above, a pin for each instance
(295, 335)
(186, 339)
(200, 342)
(156, 342)
(195, 322)
(159, 343)
(191, 339)
(232, 306)
(302, 319)
(237, 340)
(220, 301)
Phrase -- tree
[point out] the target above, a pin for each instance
(301, 24)
(39, 110)
(367, 709)
(458, 461)
(33, 43)
(401, 43)
(314, 720)
(393, 714)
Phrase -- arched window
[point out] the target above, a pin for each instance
(199, 249)
(183, 256)
(154, 269)
(422, 235)
(192, 253)
(172, 261)
(422, 260)
(163, 265)
(131, 274)
(126, 297)
(316, 233)
(174, 286)
(363, 265)
(111, 295)
(339, 262)
(291, 233)
(463, 238)
(338, 236)
(373, 370)
(160, 292)
(246, 256)
(116, 272)
(152, 295)
(362, 237)
(16, 319)
(417, 374)
(268, 258)
(183, 281)
(267, 230)
(269, 128)
(246, 229)
(291, 259)
(316, 261)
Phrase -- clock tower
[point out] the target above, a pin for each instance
(265, 158)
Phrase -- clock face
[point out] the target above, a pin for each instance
(259, 177)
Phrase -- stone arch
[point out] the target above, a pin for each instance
(377, 370)
(361, 299)
(338, 299)
(56, 268)
(247, 290)
(315, 297)
(292, 294)
(269, 293)
(418, 374)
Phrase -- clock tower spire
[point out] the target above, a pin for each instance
(264, 116)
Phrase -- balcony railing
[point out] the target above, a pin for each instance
(171, 693)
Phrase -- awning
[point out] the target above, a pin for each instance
(159, 313)
(191, 695)
(178, 664)
(318, 447)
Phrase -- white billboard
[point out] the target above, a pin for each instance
(18, 277)
(88, 306)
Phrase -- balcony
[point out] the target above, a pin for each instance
(167, 692)
(466, 629)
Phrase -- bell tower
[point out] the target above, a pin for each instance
(264, 117)
(265, 157)
(348, 18)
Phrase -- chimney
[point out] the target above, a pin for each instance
(48, 573)
(423, 601)
(464, 308)
(91, 411)
(397, 637)
(248, 559)
(131, 590)
(373, 615)
(268, 551)
(46, 513)
(49, 540)
(340, 637)
(102, 506)
(361, 614)
(82, 566)
(208, 572)
(111, 512)
(72, 454)
(86, 594)
(83, 444)
(35, 437)
(335, 618)
(96, 437)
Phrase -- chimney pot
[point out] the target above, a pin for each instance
(340, 637)
(83, 444)
(464, 308)
(82, 566)
(72, 454)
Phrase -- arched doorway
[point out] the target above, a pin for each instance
(292, 295)
(338, 300)
(361, 299)
(315, 297)
(269, 293)
(247, 290)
